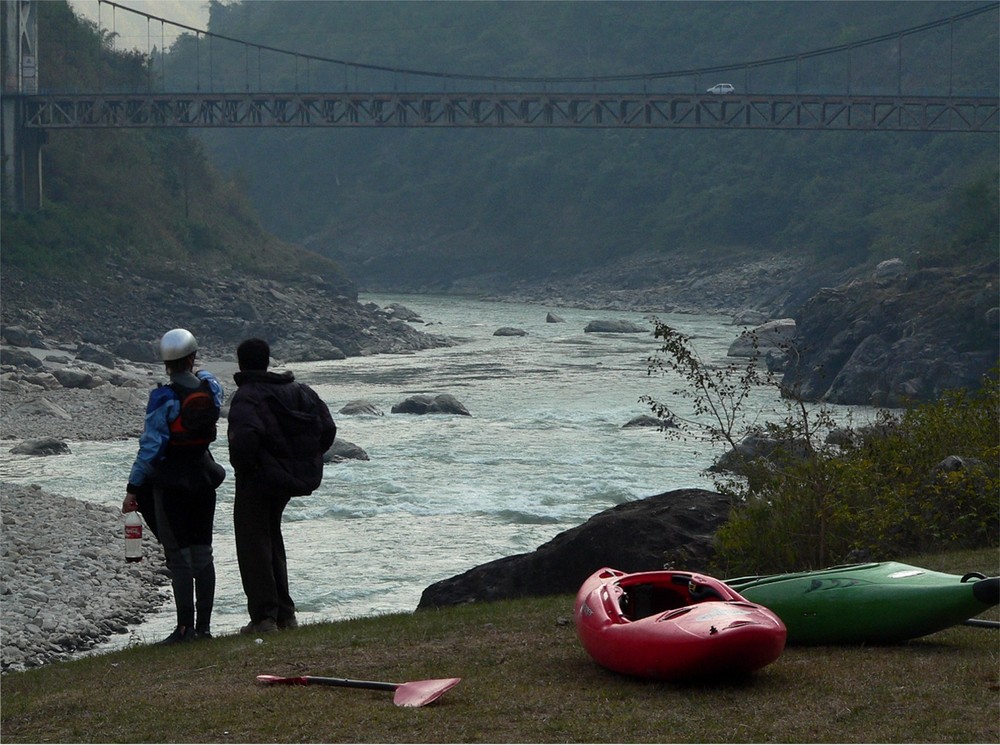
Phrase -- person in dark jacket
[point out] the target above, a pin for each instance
(279, 430)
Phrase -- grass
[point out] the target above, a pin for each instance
(525, 679)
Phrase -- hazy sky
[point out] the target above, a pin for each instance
(137, 32)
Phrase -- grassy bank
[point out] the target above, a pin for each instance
(525, 679)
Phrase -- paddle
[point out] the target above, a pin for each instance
(415, 693)
(982, 622)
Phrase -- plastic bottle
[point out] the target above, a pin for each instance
(133, 536)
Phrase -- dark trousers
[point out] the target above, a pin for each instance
(260, 551)
(183, 523)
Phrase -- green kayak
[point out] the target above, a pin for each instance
(877, 603)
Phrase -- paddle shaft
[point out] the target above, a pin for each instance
(982, 623)
(348, 683)
(318, 680)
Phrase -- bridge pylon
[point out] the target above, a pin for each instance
(21, 147)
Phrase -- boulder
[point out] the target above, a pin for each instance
(402, 313)
(509, 331)
(42, 379)
(774, 335)
(18, 336)
(749, 317)
(645, 420)
(360, 407)
(97, 355)
(138, 351)
(342, 450)
(620, 326)
(72, 378)
(41, 446)
(673, 529)
(444, 403)
(756, 446)
(19, 358)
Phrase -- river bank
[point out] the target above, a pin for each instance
(64, 584)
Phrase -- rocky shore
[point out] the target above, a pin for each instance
(64, 583)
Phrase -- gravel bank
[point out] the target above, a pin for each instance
(64, 584)
(65, 587)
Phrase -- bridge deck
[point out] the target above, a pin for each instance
(574, 110)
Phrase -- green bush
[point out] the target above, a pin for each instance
(882, 496)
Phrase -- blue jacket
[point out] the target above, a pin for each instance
(163, 407)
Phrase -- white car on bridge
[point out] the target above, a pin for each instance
(720, 88)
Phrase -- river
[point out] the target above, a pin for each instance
(543, 451)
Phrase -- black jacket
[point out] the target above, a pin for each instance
(278, 432)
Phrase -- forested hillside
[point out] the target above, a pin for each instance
(139, 201)
(436, 209)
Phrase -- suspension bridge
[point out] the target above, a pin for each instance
(776, 93)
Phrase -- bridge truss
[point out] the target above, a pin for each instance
(511, 110)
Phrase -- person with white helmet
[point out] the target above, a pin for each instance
(173, 480)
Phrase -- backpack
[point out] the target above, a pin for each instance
(195, 426)
(296, 450)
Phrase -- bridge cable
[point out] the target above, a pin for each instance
(849, 46)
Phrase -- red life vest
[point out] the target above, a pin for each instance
(195, 425)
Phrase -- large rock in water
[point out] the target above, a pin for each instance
(620, 326)
(671, 529)
(443, 403)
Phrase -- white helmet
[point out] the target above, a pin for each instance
(177, 344)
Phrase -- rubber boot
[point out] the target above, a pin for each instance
(203, 568)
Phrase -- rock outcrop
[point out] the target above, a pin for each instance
(306, 320)
(897, 337)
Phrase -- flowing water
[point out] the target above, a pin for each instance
(543, 451)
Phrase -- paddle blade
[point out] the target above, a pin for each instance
(423, 692)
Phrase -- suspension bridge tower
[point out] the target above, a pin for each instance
(21, 147)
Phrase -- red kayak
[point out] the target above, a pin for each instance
(674, 625)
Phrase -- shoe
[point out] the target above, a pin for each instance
(204, 634)
(179, 635)
(288, 623)
(265, 626)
